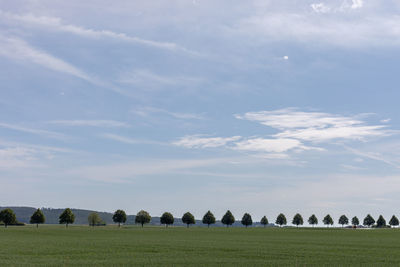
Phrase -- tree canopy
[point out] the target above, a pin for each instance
(297, 220)
(355, 221)
(343, 220)
(94, 219)
(264, 221)
(208, 218)
(313, 220)
(246, 220)
(327, 220)
(394, 221)
(228, 218)
(167, 219)
(281, 219)
(142, 217)
(381, 222)
(119, 217)
(7, 216)
(37, 218)
(67, 217)
(369, 220)
(188, 219)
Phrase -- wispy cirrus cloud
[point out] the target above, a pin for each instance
(147, 111)
(199, 141)
(315, 126)
(34, 131)
(56, 24)
(17, 49)
(90, 123)
(128, 140)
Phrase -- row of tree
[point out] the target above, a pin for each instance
(67, 217)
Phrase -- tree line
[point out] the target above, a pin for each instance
(7, 217)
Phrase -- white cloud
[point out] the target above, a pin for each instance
(268, 145)
(357, 4)
(57, 25)
(92, 123)
(197, 141)
(320, 8)
(20, 50)
(314, 126)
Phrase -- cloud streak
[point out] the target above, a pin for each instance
(56, 24)
(18, 49)
(90, 123)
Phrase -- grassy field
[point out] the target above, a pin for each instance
(178, 246)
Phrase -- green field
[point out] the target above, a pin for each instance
(178, 246)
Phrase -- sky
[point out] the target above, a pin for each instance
(254, 106)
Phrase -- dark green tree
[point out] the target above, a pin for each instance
(7, 216)
(67, 217)
(381, 222)
(313, 220)
(188, 219)
(94, 219)
(208, 218)
(281, 220)
(369, 220)
(228, 218)
(167, 219)
(142, 217)
(355, 221)
(119, 217)
(394, 221)
(297, 220)
(246, 220)
(327, 220)
(343, 220)
(264, 221)
(37, 217)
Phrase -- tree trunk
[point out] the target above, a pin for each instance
(119, 225)
(208, 225)
(37, 225)
(187, 226)
(142, 225)
(66, 225)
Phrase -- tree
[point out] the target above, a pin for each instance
(67, 217)
(37, 217)
(343, 220)
(297, 220)
(313, 220)
(368, 220)
(394, 221)
(188, 218)
(228, 218)
(381, 222)
(264, 221)
(328, 220)
(281, 220)
(7, 216)
(167, 219)
(119, 217)
(94, 219)
(355, 221)
(246, 220)
(208, 218)
(142, 217)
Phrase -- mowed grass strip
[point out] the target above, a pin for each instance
(51, 245)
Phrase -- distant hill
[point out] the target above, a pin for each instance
(24, 214)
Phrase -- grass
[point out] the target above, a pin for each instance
(52, 245)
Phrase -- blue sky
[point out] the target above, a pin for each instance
(258, 106)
